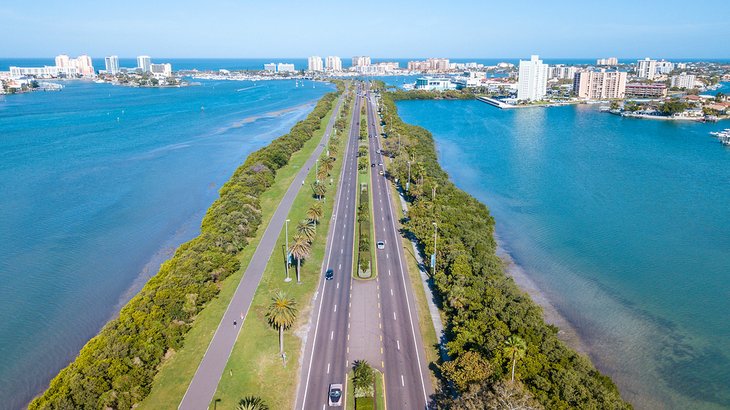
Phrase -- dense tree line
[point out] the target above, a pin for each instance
(116, 368)
(492, 326)
(464, 94)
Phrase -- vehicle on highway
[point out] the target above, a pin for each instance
(380, 164)
(372, 165)
(381, 245)
(329, 274)
(381, 172)
(335, 395)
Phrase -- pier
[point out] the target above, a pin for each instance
(496, 103)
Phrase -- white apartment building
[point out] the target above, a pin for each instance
(360, 61)
(600, 85)
(65, 67)
(562, 72)
(143, 63)
(664, 67)
(285, 68)
(334, 63)
(607, 61)
(111, 64)
(163, 70)
(532, 81)
(434, 84)
(314, 63)
(84, 64)
(63, 61)
(646, 68)
(270, 67)
(683, 80)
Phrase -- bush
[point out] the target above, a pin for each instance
(116, 368)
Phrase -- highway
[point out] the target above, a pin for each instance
(408, 382)
(325, 355)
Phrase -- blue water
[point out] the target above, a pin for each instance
(98, 185)
(622, 223)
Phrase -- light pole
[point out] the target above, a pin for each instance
(433, 257)
(408, 181)
(316, 170)
(286, 235)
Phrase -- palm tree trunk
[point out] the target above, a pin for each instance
(298, 267)
(514, 361)
(281, 340)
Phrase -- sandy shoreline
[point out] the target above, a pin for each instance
(567, 333)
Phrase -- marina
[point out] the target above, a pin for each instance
(723, 136)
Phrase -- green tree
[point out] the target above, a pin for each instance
(515, 349)
(469, 367)
(251, 403)
(363, 378)
(307, 229)
(281, 314)
(315, 212)
(300, 250)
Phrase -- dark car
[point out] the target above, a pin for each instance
(372, 165)
(329, 274)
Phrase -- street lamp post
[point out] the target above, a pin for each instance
(433, 258)
(286, 235)
(408, 181)
(316, 170)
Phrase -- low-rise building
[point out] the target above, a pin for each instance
(434, 84)
(161, 70)
(644, 91)
(285, 68)
(611, 61)
(270, 67)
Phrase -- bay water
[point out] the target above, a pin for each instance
(622, 224)
(98, 185)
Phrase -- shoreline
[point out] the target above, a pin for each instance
(567, 332)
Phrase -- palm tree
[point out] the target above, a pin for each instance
(281, 314)
(363, 378)
(307, 228)
(515, 348)
(300, 249)
(322, 173)
(319, 189)
(315, 212)
(251, 403)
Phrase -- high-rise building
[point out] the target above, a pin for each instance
(683, 80)
(285, 68)
(161, 69)
(334, 63)
(607, 61)
(664, 67)
(532, 81)
(270, 67)
(562, 72)
(315, 63)
(111, 64)
(143, 63)
(84, 64)
(646, 68)
(360, 61)
(600, 85)
(63, 61)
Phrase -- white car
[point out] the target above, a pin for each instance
(381, 245)
(334, 396)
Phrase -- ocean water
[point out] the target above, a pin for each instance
(622, 223)
(98, 185)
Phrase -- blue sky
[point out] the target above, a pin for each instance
(283, 28)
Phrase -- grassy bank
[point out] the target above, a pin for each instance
(491, 324)
(255, 366)
(116, 369)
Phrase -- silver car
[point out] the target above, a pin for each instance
(334, 396)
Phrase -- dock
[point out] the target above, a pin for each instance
(496, 103)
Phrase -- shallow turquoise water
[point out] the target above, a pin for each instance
(98, 184)
(622, 223)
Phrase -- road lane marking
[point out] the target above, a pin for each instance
(328, 368)
(389, 275)
(339, 267)
(394, 318)
(332, 335)
(402, 381)
(338, 285)
(391, 292)
(381, 350)
(398, 343)
(335, 308)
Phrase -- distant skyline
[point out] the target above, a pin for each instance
(471, 29)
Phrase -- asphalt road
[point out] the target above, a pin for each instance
(408, 383)
(325, 355)
(205, 382)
